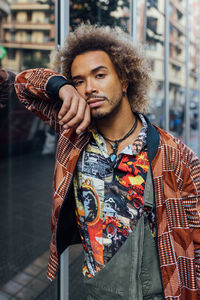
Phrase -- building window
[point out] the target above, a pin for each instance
(29, 36)
(176, 68)
(178, 50)
(152, 24)
(29, 16)
(171, 9)
(46, 37)
(179, 14)
(152, 3)
(11, 54)
(13, 16)
(151, 44)
(12, 36)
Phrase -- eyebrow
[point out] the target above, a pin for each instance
(92, 71)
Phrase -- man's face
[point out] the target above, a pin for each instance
(96, 80)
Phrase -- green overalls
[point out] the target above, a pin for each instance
(133, 273)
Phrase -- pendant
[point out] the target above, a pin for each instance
(113, 157)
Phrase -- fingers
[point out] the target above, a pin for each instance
(64, 108)
(86, 121)
(75, 112)
(67, 93)
(69, 112)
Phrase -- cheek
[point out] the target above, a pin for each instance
(116, 89)
(81, 91)
(114, 86)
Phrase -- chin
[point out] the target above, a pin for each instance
(101, 115)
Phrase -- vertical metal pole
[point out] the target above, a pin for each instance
(62, 12)
(62, 29)
(64, 20)
(166, 66)
(133, 20)
(57, 24)
(64, 275)
(187, 74)
(199, 77)
(145, 22)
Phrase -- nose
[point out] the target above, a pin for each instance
(90, 87)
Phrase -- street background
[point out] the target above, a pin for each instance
(30, 31)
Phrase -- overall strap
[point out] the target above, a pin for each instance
(150, 270)
(148, 198)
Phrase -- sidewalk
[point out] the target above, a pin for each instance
(26, 184)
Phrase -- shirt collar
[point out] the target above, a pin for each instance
(133, 149)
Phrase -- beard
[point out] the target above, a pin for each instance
(101, 114)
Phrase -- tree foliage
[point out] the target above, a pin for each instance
(102, 12)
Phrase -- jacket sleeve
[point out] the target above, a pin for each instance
(192, 200)
(195, 173)
(30, 86)
(6, 87)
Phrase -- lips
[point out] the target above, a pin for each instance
(95, 102)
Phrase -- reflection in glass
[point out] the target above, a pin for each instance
(27, 148)
(111, 13)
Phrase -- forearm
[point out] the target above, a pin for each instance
(38, 90)
(53, 98)
(40, 82)
(192, 205)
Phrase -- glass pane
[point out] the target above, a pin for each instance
(177, 69)
(152, 37)
(26, 154)
(111, 13)
(194, 73)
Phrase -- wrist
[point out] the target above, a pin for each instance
(65, 89)
(55, 83)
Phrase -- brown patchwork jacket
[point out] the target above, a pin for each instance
(176, 177)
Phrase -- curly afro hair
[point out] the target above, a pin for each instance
(129, 61)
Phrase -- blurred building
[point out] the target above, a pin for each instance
(194, 6)
(177, 52)
(4, 8)
(4, 11)
(153, 36)
(151, 32)
(28, 34)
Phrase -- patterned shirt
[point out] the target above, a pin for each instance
(109, 199)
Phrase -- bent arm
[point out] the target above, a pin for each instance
(195, 232)
(30, 86)
(52, 98)
(192, 203)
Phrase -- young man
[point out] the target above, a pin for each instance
(126, 189)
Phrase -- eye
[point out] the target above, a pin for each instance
(100, 75)
(78, 82)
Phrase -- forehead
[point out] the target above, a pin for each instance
(88, 61)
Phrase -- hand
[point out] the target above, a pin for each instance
(74, 111)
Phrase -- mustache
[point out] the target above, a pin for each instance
(96, 97)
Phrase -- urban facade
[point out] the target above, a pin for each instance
(28, 34)
(153, 20)
(4, 11)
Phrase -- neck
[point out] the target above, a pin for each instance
(117, 125)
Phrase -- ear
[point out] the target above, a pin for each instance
(124, 86)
